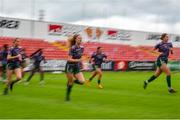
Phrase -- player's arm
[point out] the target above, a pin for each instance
(10, 57)
(155, 50)
(171, 48)
(91, 60)
(105, 59)
(70, 59)
(31, 56)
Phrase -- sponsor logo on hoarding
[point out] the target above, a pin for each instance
(55, 28)
(9, 24)
(175, 65)
(177, 39)
(93, 33)
(63, 30)
(51, 65)
(118, 35)
(121, 65)
(112, 33)
(154, 37)
(107, 66)
(89, 32)
(141, 65)
(99, 33)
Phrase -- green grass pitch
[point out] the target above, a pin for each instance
(122, 97)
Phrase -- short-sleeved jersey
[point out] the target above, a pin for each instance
(98, 59)
(38, 57)
(3, 55)
(164, 48)
(14, 51)
(76, 52)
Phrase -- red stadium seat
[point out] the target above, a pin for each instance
(114, 51)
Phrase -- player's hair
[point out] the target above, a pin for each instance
(5, 46)
(72, 40)
(16, 39)
(98, 48)
(163, 36)
(40, 49)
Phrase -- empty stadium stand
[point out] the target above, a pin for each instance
(31, 45)
(58, 50)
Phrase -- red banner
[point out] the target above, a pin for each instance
(121, 65)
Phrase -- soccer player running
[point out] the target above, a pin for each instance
(96, 60)
(14, 58)
(74, 60)
(164, 47)
(37, 58)
(3, 55)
